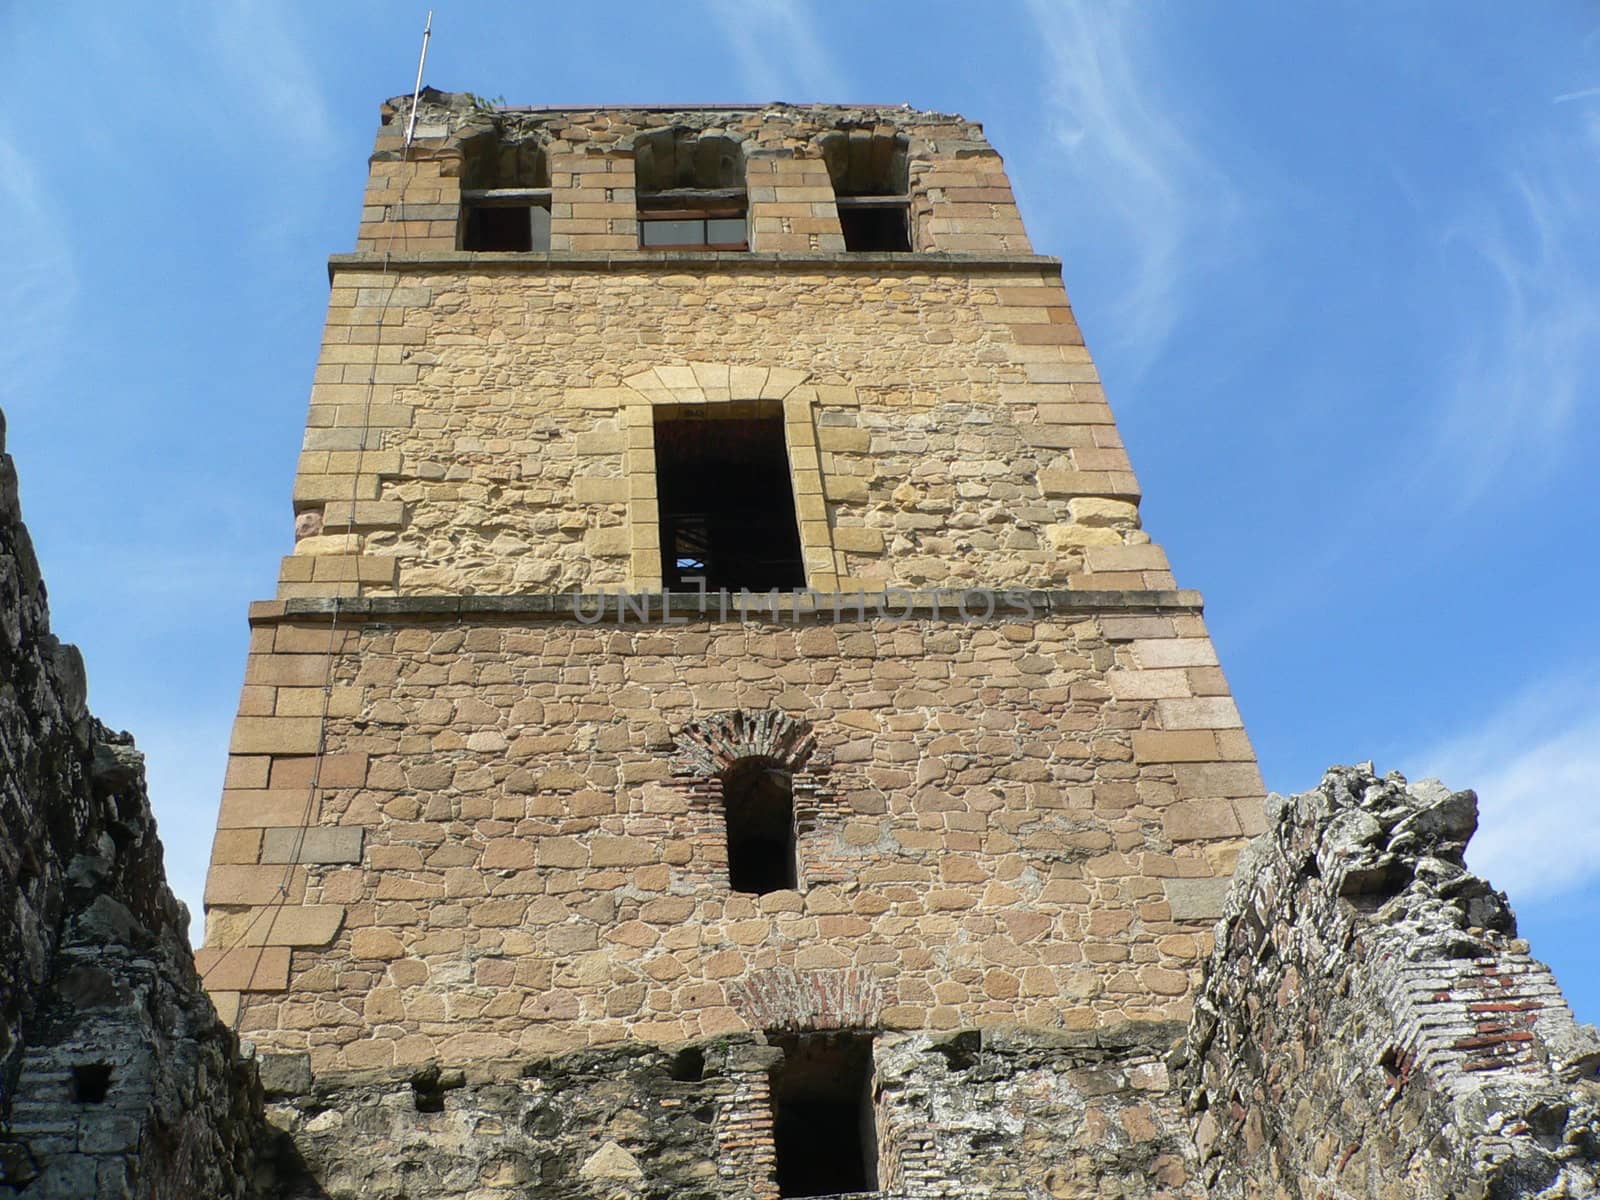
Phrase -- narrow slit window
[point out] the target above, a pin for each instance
(823, 1124)
(726, 502)
(758, 802)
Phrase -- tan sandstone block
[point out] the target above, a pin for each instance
(246, 771)
(236, 846)
(1195, 820)
(1063, 537)
(291, 925)
(275, 735)
(348, 769)
(244, 968)
(1147, 557)
(843, 488)
(227, 884)
(249, 808)
(1175, 652)
(835, 437)
(593, 490)
(313, 845)
(1219, 779)
(381, 944)
(288, 670)
(1147, 685)
(1209, 712)
(858, 540)
(1156, 746)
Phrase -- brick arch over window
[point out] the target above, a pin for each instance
(707, 750)
(713, 746)
(696, 383)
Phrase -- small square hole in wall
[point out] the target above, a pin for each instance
(822, 1114)
(91, 1083)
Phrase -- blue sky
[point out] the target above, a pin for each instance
(1339, 267)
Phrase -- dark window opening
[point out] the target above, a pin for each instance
(691, 193)
(514, 227)
(505, 194)
(871, 176)
(726, 503)
(688, 1065)
(91, 1082)
(823, 1124)
(758, 801)
(878, 227)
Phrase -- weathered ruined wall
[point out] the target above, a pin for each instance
(1371, 1025)
(961, 200)
(511, 850)
(116, 1077)
(1002, 1115)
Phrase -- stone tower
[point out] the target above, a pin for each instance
(722, 718)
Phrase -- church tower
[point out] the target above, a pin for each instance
(720, 666)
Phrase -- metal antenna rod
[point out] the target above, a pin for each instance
(416, 92)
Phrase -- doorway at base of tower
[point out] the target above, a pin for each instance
(823, 1120)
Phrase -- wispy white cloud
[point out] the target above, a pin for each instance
(255, 50)
(1535, 764)
(779, 51)
(1147, 179)
(40, 278)
(1528, 333)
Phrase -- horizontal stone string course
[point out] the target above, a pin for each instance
(426, 262)
(562, 607)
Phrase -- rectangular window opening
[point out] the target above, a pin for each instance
(726, 502)
(875, 226)
(758, 804)
(691, 220)
(512, 222)
(822, 1109)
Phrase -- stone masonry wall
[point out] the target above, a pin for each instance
(481, 422)
(473, 830)
(504, 444)
(1006, 1114)
(1371, 1026)
(116, 1077)
(512, 848)
(960, 197)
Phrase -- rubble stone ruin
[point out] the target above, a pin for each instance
(724, 732)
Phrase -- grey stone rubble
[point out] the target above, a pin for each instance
(1371, 1025)
(116, 1078)
(1006, 1113)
